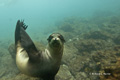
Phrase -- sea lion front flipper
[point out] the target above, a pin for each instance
(25, 41)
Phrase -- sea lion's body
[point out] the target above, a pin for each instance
(44, 64)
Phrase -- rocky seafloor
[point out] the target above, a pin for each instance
(92, 51)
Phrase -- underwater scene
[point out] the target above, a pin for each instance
(91, 29)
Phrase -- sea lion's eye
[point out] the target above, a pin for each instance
(49, 38)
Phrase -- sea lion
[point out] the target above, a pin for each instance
(33, 62)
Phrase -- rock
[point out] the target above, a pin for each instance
(2, 73)
(67, 27)
(69, 53)
(90, 45)
(117, 39)
(11, 50)
(64, 73)
(97, 35)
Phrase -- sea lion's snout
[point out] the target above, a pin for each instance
(56, 40)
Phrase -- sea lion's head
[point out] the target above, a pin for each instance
(56, 40)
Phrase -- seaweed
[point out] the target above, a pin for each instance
(66, 27)
(97, 35)
(117, 39)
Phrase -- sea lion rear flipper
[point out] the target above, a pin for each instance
(25, 41)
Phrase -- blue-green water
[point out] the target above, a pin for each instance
(90, 27)
(41, 15)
